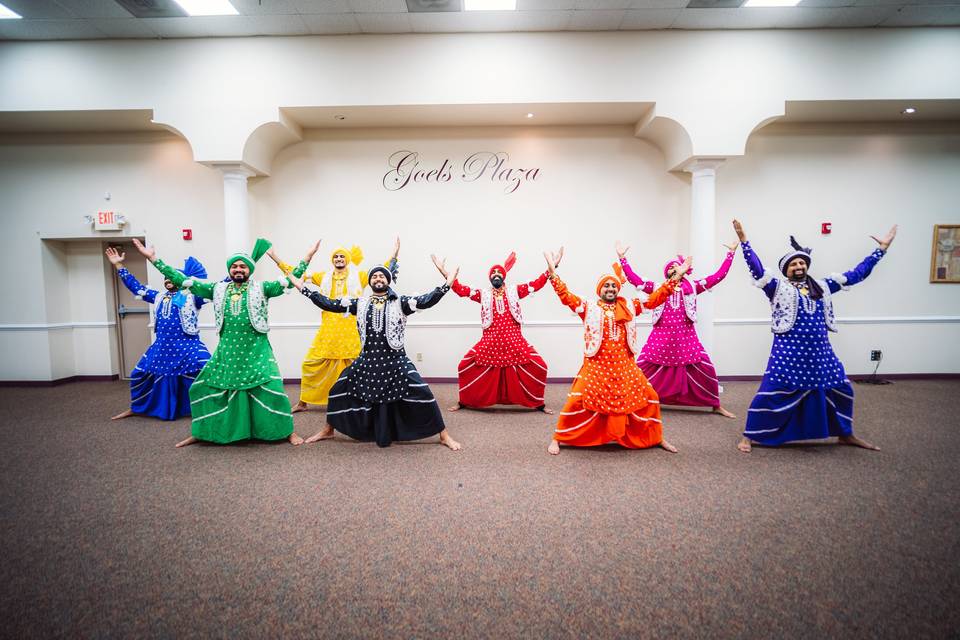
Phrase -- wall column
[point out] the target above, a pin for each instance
(703, 237)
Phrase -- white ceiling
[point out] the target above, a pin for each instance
(96, 19)
(887, 112)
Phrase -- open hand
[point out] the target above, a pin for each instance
(885, 241)
(453, 275)
(295, 281)
(739, 229)
(115, 257)
(440, 264)
(312, 251)
(150, 253)
(731, 247)
(622, 250)
(682, 268)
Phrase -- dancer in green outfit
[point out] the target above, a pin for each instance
(239, 393)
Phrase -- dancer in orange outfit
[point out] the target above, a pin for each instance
(610, 400)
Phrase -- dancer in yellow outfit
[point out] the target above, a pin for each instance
(337, 343)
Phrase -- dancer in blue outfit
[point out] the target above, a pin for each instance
(160, 381)
(805, 393)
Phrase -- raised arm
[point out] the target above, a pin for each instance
(412, 304)
(274, 288)
(660, 295)
(197, 288)
(322, 301)
(526, 288)
(128, 279)
(768, 282)
(714, 279)
(860, 272)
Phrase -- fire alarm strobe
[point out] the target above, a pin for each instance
(826, 227)
(188, 234)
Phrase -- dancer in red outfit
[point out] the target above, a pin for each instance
(502, 368)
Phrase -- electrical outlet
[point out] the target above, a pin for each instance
(875, 355)
(420, 356)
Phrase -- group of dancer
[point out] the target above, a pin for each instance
(358, 368)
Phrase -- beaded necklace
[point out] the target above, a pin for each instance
(165, 306)
(612, 327)
(498, 301)
(378, 313)
(809, 304)
(236, 296)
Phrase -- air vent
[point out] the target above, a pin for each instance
(153, 8)
(433, 6)
(714, 4)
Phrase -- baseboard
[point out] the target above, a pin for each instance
(58, 381)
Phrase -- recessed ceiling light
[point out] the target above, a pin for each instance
(770, 3)
(339, 117)
(489, 5)
(529, 115)
(7, 14)
(208, 7)
(908, 111)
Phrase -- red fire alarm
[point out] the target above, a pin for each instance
(188, 234)
(826, 227)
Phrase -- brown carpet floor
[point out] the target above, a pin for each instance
(108, 531)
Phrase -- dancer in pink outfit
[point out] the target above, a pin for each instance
(673, 359)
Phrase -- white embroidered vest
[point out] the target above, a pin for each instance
(256, 305)
(326, 285)
(689, 304)
(786, 303)
(395, 323)
(486, 306)
(593, 331)
(189, 321)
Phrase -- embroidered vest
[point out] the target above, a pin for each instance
(689, 304)
(187, 308)
(256, 305)
(326, 286)
(593, 331)
(786, 302)
(395, 323)
(486, 306)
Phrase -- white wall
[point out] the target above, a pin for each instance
(596, 185)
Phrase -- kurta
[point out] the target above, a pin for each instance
(611, 399)
(805, 393)
(239, 394)
(502, 368)
(381, 397)
(673, 359)
(160, 382)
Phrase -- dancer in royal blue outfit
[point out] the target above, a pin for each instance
(805, 393)
(160, 381)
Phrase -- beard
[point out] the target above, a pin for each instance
(496, 281)
(239, 278)
(798, 277)
(379, 287)
(609, 297)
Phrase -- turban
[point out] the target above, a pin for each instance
(505, 267)
(260, 248)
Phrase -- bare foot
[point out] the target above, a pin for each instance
(447, 441)
(295, 439)
(744, 445)
(669, 447)
(301, 406)
(854, 441)
(547, 410)
(324, 434)
(454, 407)
(554, 448)
(121, 416)
(723, 412)
(187, 442)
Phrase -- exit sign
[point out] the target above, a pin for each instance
(108, 221)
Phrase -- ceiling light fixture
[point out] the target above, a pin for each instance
(529, 115)
(750, 4)
(339, 117)
(489, 5)
(8, 14)
(908, 111)
(208, 7)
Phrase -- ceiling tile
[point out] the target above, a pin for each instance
(596, 20)
(542, 20)
(195, 27)
(330, 23)
(924, 16)
(38, 9)
(378, 6)
(660, 4)
(47, 30)
(489, 21)
(544, 5)
(862, 17)
(639, 19)
(264, 7)
(384, 22)
(94, 9)
(597, 5)
(322, 6)
(270, 25)
(123, 27)
(727, 18)
(826, 3)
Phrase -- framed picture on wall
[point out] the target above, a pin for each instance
(945, 261)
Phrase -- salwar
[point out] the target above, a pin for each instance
(688, 385)
(318, 376)
(485, 385)
(229, 415)
(780, 413)
(161, 396)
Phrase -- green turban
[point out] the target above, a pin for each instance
(260, 248)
